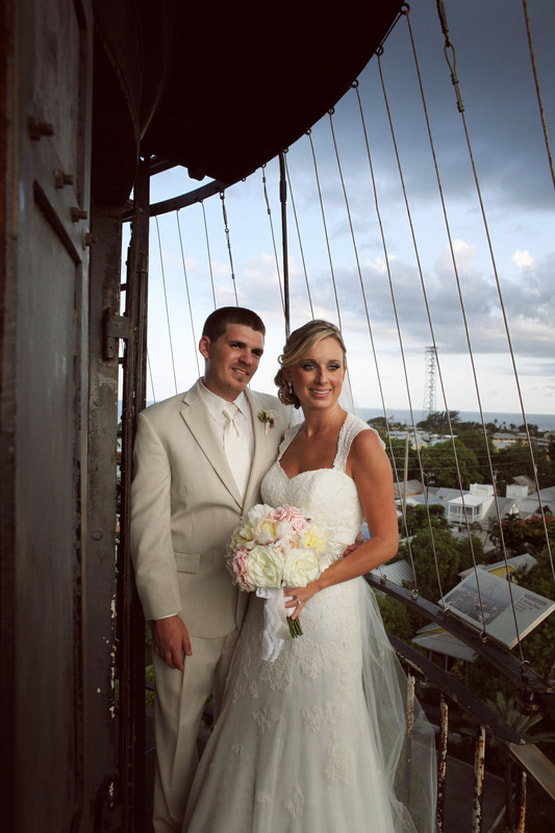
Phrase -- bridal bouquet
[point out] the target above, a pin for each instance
(276, 547)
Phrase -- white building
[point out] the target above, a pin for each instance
(472, 506)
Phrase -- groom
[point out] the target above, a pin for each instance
(196, 471)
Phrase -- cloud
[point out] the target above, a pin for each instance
(467, 293)
(522, 259)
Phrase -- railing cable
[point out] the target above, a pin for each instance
(284, 243)
(465, 323)
(325, 226)
(390, 279)
(164, 285)
(269, 213)
(209, 255)
(449, 49)
(332, 270)
(186, 279)
(151, 377)
(290, 187)
(538, 90)
(405, 12)
(228, 238)
(366, 308)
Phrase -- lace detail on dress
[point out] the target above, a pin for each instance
(277, 674)
(265, 718)
(296, 804)
(352, 426)
(339, 766)
(314, 659)
(263, 798)
(316, 717)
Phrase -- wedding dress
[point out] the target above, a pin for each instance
(316, 741)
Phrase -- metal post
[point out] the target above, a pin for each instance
(131, 625)
(522, 805)
(479, 770)
(410, 732)
(442, 768)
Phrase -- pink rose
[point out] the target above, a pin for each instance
(239, 567)
(293, 516)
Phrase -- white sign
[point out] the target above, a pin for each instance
(497, 606)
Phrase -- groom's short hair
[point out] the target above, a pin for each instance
(216, 323)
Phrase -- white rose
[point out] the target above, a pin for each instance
(240, 537)
(258, 513)
(263, 530)
(282, 547)
(264, 567)
(284, 530)
(301, 567)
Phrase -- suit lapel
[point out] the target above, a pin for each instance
(197, 417)
(260, 440)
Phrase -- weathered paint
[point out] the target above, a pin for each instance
(479, 772)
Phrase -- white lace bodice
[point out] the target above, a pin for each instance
(328, 496)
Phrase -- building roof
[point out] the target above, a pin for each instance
(470, 500)
(525, 561)
(395, 571)
(414, 487)
(436, 639)
(524, 480)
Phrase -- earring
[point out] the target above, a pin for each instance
(290, 387)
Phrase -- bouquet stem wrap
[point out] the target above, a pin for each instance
(276, 629)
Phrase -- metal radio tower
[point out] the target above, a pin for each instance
(430, 381)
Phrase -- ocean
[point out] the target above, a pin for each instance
(545, 422)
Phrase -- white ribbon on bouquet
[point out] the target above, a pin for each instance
(276, 629)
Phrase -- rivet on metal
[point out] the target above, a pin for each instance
(62, 179)
(37, 128)
(89, 239)
(78, 214)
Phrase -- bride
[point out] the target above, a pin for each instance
(316, 740)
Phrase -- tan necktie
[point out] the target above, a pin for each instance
(236, 448)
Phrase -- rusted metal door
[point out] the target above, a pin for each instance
(47, 57)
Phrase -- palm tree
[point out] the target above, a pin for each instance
(506, 707)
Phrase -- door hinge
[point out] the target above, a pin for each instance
(114, 328)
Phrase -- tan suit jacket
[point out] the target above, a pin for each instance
(184, 506)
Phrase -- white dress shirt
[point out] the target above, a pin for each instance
(243, 421)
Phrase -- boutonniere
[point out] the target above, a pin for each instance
(268, 418)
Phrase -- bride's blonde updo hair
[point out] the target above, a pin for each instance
(299, 343)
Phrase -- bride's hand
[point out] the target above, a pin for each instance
(297, 597)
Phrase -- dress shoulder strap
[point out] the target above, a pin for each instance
(352, 426)
(288, 438)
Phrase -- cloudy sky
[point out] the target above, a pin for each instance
(387, 294)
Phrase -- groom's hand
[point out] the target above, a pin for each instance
(170, 639)
(360, 539)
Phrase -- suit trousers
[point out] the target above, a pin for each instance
(179, 705)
